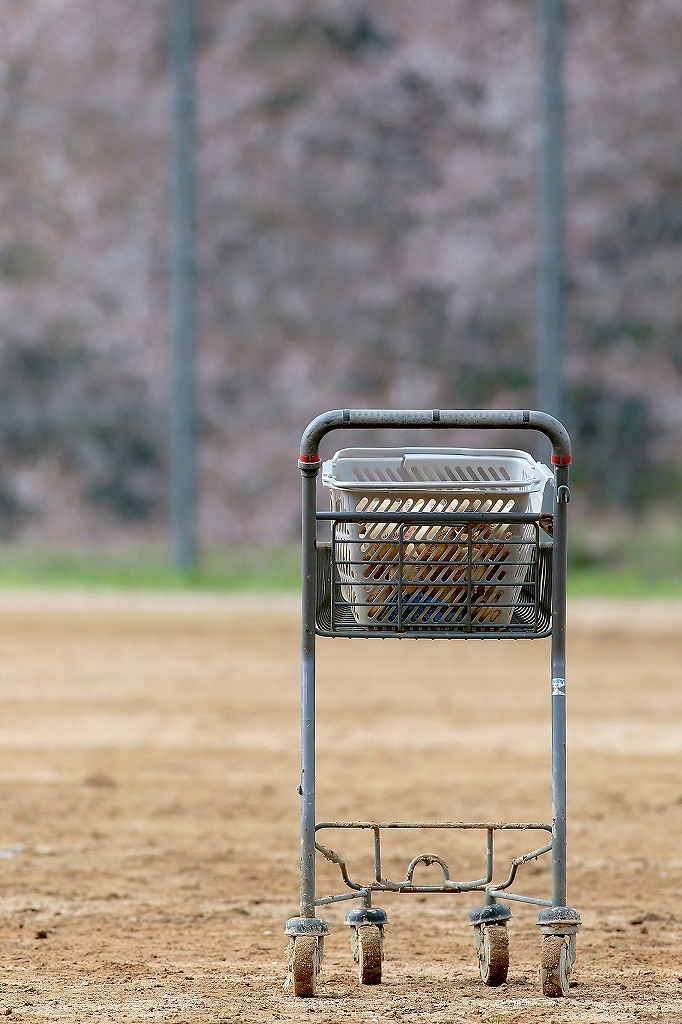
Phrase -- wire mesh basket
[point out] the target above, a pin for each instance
(435, 541)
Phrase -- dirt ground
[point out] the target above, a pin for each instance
(149, 834)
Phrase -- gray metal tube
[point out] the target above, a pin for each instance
(550, 270)
(559, 571)
(434, 419)
(182, 425)
(308, 697)
(489, 898)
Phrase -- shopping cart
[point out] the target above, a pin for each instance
(433, 543)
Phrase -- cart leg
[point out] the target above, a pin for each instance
(559, 924)
(306, 933)
(307, 785)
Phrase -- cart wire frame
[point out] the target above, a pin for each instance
(451, 590)
(449, 885)
(541, 573)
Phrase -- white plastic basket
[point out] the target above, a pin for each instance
(443, 566)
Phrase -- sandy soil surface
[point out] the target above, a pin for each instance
(149, 834)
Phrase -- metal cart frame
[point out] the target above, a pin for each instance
(558, 922)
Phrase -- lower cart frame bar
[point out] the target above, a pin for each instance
(485, 884)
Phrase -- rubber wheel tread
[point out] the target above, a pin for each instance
(555, 966)
(369, 955)
(493, 955)
(303, 965)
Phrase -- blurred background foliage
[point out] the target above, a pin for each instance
(367, 237)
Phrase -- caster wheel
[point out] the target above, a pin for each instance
(367, 947)
(556, 963)
(305, 961)
(492, 946)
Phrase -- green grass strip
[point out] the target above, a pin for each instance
(277, 569)
(265, 569)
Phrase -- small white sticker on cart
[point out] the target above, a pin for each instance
(558, 687)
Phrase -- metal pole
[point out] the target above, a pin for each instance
(550, 276)
(559, 687)
(307, 786)
(182, 417)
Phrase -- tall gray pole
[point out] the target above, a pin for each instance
(550, 283)
(182, 413)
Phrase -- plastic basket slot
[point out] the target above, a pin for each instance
(382, 592)
(438, 575)
(482, 598)
(443, 553)
(388, 531)
(454, 574)
(426, 605)
(385, 505)
(425, 533)
(489, 615)
(413, 600)
(440, 558)
(385, 565)
(375, 531)
(415, 571)
(439, 533)
(499, 555)
(378, 557)
(444, 545)
(486, 573)
(379, 598)
(482, 604)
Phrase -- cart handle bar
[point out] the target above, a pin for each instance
(429, 419)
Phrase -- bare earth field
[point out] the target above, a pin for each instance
(149, 836)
